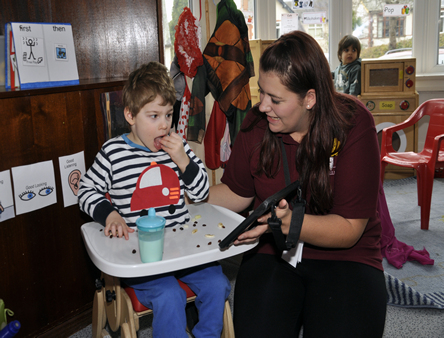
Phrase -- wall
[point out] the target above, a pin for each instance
(46, 276)
(111, 37)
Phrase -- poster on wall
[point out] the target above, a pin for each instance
(396, 10)
(289, 22)
(34, 186)
(6, 199)
(72, 167)
(304, 4)
(314, 18)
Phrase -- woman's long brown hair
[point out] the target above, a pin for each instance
(299, 62)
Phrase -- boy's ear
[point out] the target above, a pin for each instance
(128, 116)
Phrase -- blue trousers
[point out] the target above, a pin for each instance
(167, 299)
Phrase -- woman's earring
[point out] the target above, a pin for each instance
(308, 106)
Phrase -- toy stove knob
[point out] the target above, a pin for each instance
(404, 105)
(410, 70)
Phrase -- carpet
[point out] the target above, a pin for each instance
(414, 284)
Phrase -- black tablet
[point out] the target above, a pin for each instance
(259, 211)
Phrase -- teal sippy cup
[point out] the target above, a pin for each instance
(151, 234)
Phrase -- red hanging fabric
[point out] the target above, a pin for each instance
(186, 44)
(213, 136)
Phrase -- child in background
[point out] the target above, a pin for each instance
(347, 76)
(148, 97)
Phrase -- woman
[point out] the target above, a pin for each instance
(338, 289)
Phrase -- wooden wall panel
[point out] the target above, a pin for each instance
(46, 276)
(112, 37)
(46, 273)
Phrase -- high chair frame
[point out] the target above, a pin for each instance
(113, 304)
(116, 258)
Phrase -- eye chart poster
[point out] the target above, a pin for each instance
(34, 186)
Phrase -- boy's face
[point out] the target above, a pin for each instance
(151, 124)
(349, 55)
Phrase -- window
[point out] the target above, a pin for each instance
(385, 23)
(441, 35)
(312, 19)
(316, 31)
(380, 34)
(247, 8)
(427, 49)
(171, 10)
(363, 18)
(425, 21)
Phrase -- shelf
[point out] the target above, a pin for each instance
(83, 85)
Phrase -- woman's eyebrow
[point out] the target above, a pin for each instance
(272, 95)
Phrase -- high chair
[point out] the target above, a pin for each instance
(120, 307)
(190, 245)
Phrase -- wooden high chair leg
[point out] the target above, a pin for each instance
(130, 320)
(228, 328)
(113, 300)
(125, 331)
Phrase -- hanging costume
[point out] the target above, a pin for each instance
(187, 61)
(228, 66)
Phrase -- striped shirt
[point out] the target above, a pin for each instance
(116, 170)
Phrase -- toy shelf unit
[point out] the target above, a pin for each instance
(257, 47)
(388, 90)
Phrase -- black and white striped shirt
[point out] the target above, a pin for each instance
(116, 170)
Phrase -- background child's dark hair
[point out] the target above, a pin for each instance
(347, 41)
(145, 84)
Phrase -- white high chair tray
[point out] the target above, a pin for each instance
(184, 247)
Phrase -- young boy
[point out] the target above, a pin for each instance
(347, 76)
(148, 98)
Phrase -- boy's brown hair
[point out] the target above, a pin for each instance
(145, 84)
(347, 41)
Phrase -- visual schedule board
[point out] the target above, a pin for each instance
(39, 55)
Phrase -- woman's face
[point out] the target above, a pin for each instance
(286, 111)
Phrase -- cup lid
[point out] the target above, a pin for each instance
(150, 222)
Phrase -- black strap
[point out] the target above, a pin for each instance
(285, 161)
(297, 216)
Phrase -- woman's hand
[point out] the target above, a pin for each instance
(282, 211)
(116, 226)
(252, 235)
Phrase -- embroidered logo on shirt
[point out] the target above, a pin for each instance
(334, 153)
(335, 149)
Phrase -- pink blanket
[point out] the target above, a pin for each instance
(396, 252)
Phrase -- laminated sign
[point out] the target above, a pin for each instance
(39, 55)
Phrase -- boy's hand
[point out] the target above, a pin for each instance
(116, 226)
(173, 145)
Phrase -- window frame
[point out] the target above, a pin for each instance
(430, 76)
